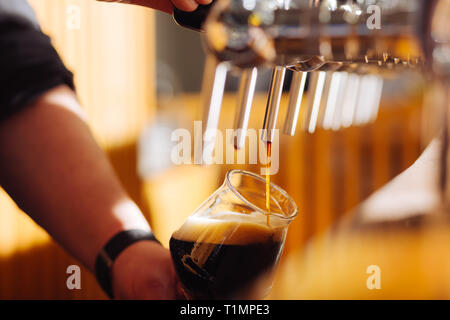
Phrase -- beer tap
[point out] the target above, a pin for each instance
(212, 93)
(295, 100)
(327, 44)
(245, 99)
(273, 104)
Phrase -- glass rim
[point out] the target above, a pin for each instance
(272, 185)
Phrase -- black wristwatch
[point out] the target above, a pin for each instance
(112, 250)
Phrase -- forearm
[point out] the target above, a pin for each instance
(54, 170)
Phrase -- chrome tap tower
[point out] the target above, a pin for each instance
(344, 47)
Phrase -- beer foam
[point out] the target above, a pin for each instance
(231, 228)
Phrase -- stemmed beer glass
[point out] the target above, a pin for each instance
(230, 246)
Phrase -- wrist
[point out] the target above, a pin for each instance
(112, 220)
(113, 249)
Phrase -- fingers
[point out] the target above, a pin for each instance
(189, 5)
(166, 5)
(204, 1)
(185, 5)
(161, 5)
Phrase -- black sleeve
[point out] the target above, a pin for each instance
(29, 65)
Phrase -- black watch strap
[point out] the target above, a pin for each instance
(112, 250)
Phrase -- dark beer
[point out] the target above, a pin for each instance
(226, 259)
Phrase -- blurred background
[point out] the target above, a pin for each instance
(138, 76)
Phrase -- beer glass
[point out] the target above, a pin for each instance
(230, 246)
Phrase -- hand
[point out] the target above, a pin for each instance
(145, 271)
(166, 5)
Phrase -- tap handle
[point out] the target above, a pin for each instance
(192, 20)
(245, 99)
(273, 103)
